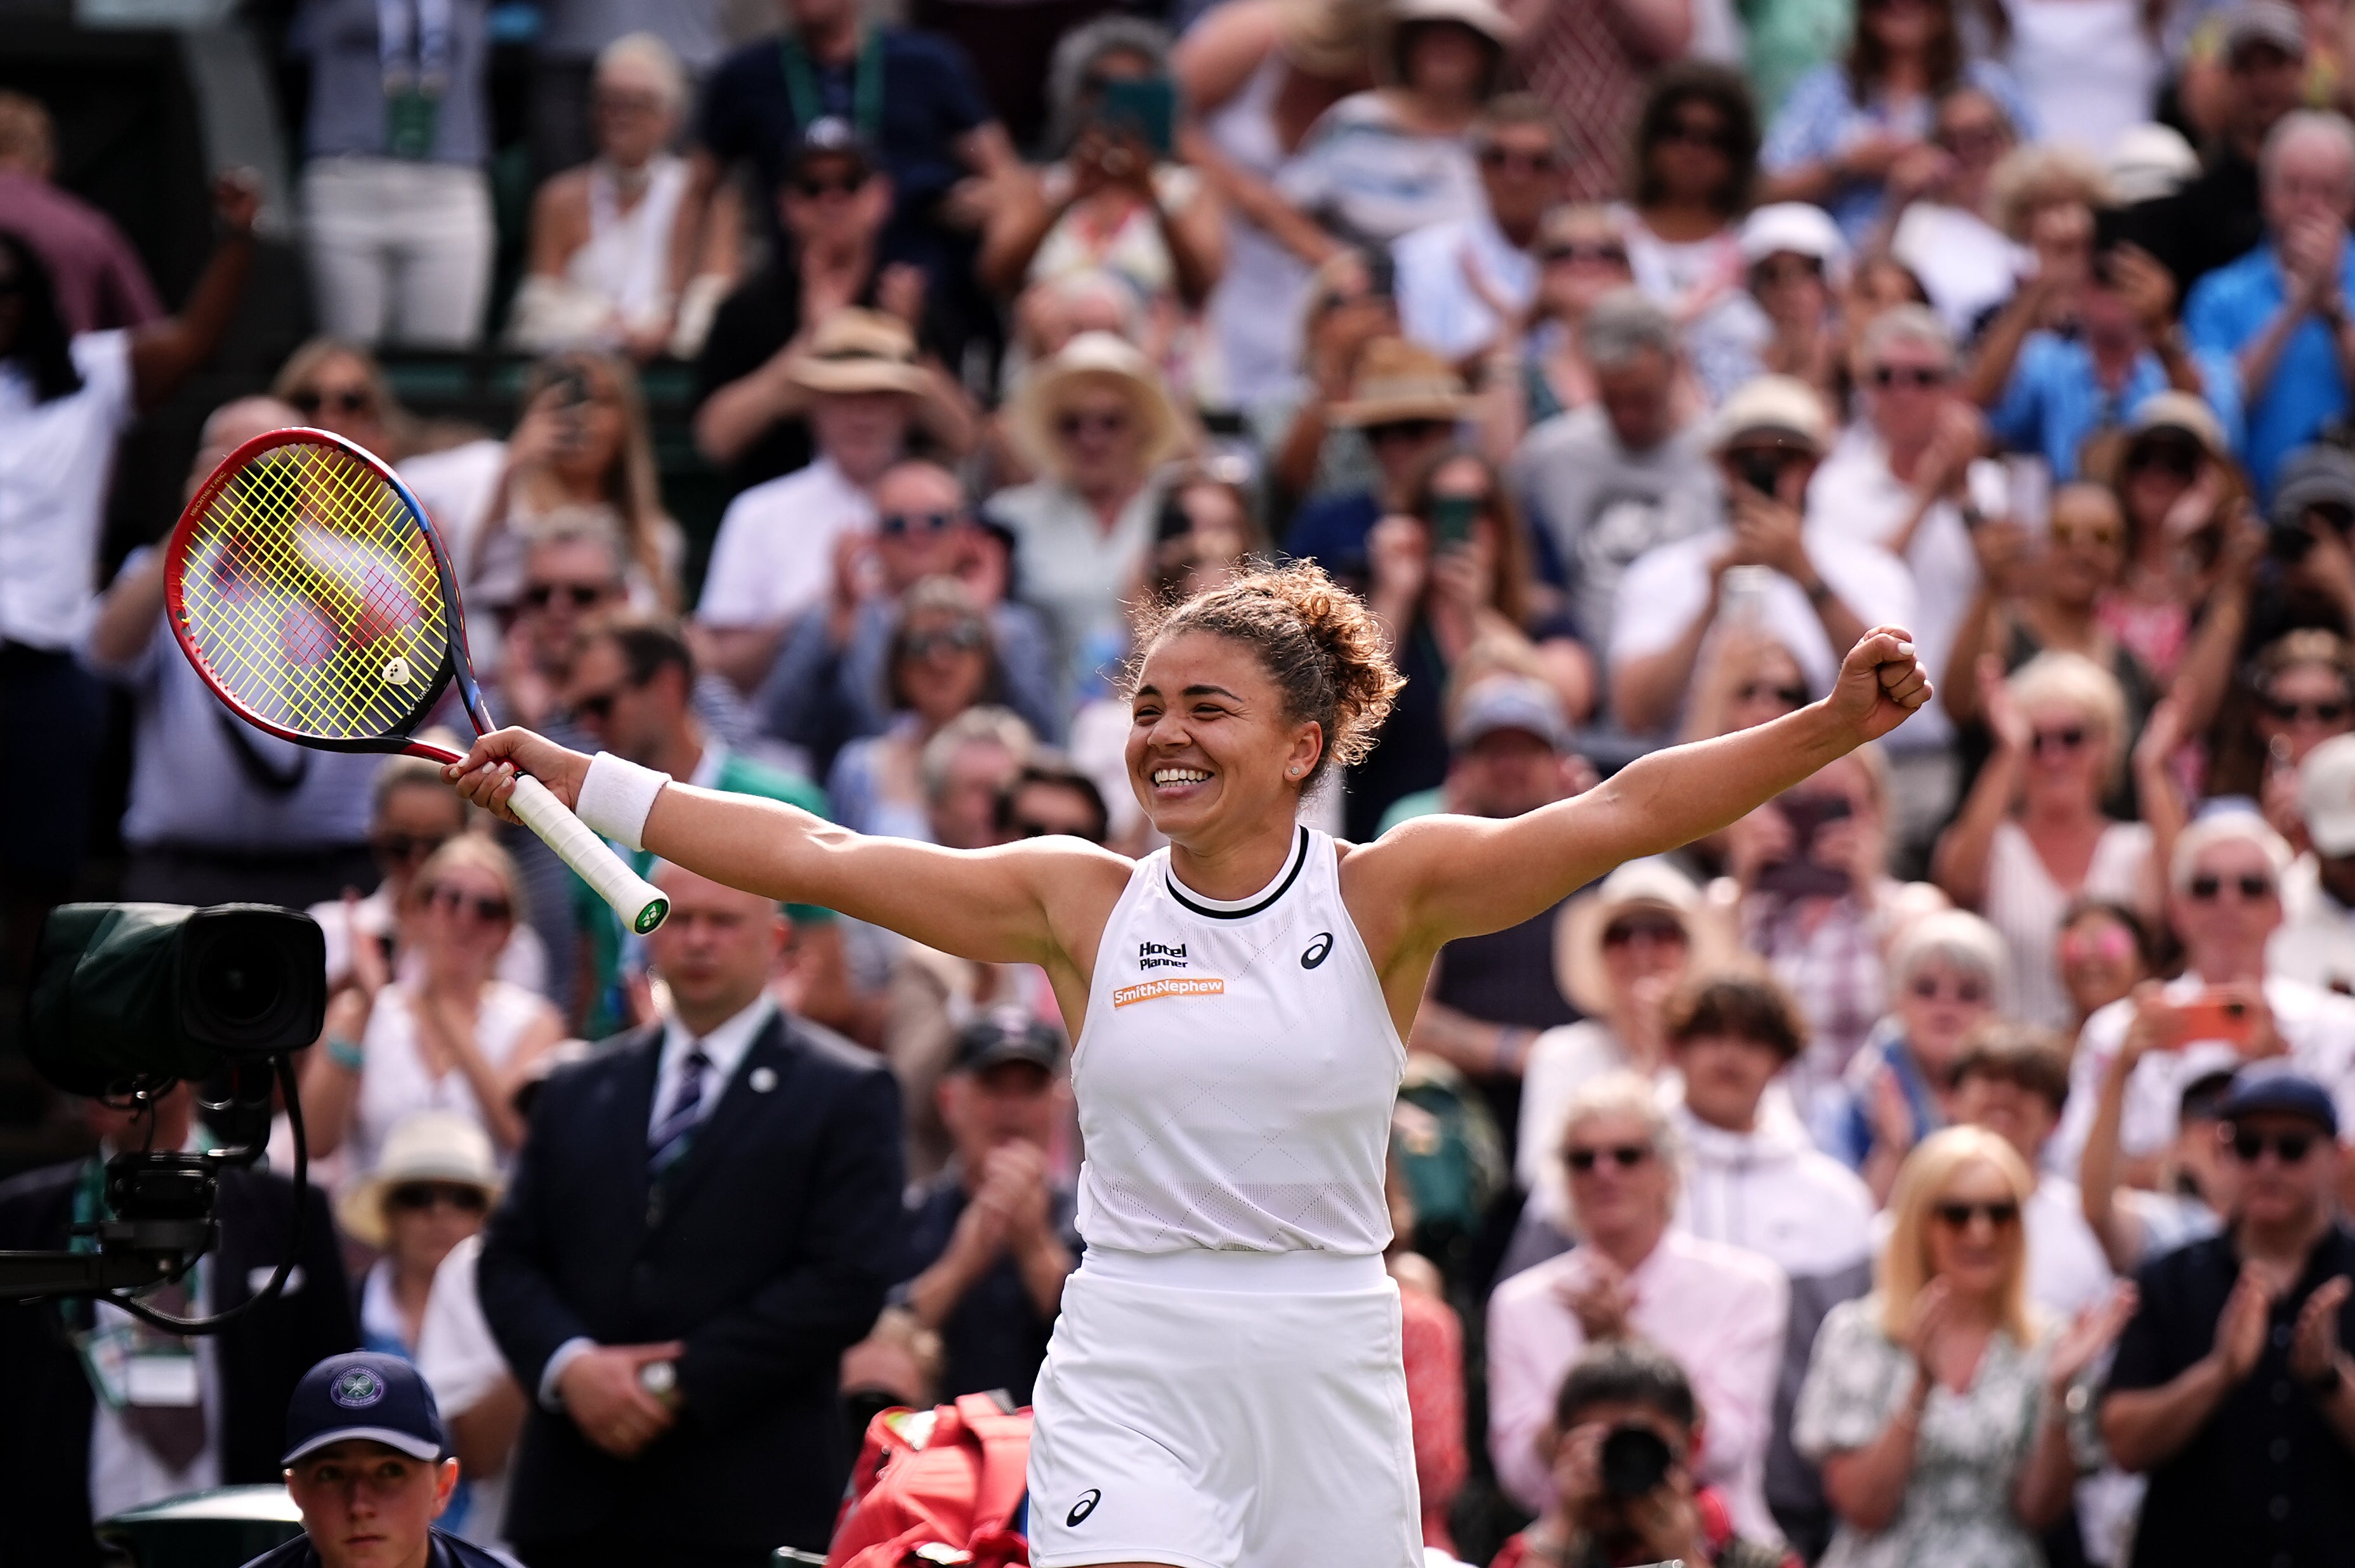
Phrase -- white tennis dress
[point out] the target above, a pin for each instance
(1224, 1387)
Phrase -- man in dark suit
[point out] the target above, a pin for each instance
(199, 1412)
(703, 1217)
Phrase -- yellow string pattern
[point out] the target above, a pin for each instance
(309, 591)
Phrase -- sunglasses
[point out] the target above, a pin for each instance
(1407, 429)
(419, 1196)
(2283, 710)
(2248, 1145)
(809, 188)
(1601, 254)
(897, 523)
(1916, 376)
(2108, 943)
(2179, 458)
(2207, 887)
(1643, 928)
(2101, 536)
(958, 639)
(1707, 134)
(1788, 696)
(1068, 425)
(1965, 989)
(2000, 1215)
(597, 707)
(1965, 140)
(1786, 270)
(580, 595)
(1520, 163)
(405, 846)
(1626, 1157)
(2070, 739)
(340, 400)
(483, 905)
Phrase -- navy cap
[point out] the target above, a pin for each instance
(828, 136)
(363, 1396)
(2281, 1094)
(1003, 1035)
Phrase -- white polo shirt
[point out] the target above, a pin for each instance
(774, 554)
(55, 460)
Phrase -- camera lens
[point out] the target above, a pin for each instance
(1635, 1461)
(240, 991)
(252, 980)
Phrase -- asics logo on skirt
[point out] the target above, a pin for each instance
(1085, 1506)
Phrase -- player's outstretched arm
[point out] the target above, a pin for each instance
(1038, 901)
(1455, 876)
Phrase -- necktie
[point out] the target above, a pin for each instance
(172, 1433)
(667, 1145)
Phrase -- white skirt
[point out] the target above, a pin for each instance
(1225, 1410)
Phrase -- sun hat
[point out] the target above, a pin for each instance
(2186, 412)
(1397, 381)
(1652, 883)
(425, 1145)
(1773, 405)
(1102, 358)
(858, 350)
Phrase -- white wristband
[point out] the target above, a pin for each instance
(616, 797)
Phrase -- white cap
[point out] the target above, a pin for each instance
(1800, 228)
(2149, 161)
(2326, 795)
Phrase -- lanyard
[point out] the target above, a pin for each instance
(415, 58)
(865, 87)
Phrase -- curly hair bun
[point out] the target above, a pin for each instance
(1317, 640)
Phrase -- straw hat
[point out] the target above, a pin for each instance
(1481, 16)
(1102, 358)
(856, 350)
(2184, 412)
(425, 1145)
(1331, 38)
(1647, 884)
(1779, 406)
(1397, 381)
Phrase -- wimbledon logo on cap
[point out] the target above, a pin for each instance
(356, 1389)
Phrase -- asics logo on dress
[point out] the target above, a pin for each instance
(1085, 1506)
(1319, 950)
(1161, 955)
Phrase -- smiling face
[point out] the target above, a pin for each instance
(1939, 1003)
(367, 1506)
(2099, 961)
(1210, 744)
(1620, 1187)
(2227, 908)
(2068, 755)
(1975, 1252)
(465, 915)
(2088, 544)
(942, 664)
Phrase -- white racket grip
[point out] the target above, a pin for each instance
(639, 903)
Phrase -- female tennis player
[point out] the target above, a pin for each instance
(1224, 1389)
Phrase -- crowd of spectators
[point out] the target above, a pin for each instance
(1940, 1164)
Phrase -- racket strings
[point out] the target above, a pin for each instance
(312, 595)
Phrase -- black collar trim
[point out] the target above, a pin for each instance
(1299, 858)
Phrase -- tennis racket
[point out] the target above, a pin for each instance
(308, 589)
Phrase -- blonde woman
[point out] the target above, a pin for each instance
(2031, 835)
(1938, 1405)
(451, 1036)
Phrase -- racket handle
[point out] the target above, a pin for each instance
(638, 902)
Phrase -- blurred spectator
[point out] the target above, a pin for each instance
(899, 1364)
(1840, 136)
(1048, 797)
(861, 387)
(2299, 692)
(941, 661)
(1206, 527)
(458, 1357)
(1795, 266)
(907, 94)
(339, 387)
(453, 1037)
(1589, 62)
(830, 684)
(1582, 258)
(2193, 1182)
(567, 48)
(1621, 475)
(616, 260)
(2088, 72)
(1112, 202)
(82, 1442)
(100, 283)
(752, 402)
(1810, 890)
(631, 689)
(431, 1185)
(2105, 952)
(1448, 571)
(1943, 216)
(2031, 835)
(1746, 680)
(1463, 282)
(1257, 74)
(1311, 457)
(753, 1235)
(1696, 158)
(2217, 217)
(1947, 975)
(2280, 312)
(2231, 1384)
(991, 1240)
(1407, 401)
(1813, 590)
(1937, 1406)
(1431, 1340)
(2224, 1009)
(65, 399)
(581, 441)
(574, 574)
(2012, 1080)
(1620, 952)
(2315, 944)
(965, 768)
(218, 811)
(412, 811)
(396, 199)
(1382, 164)
(1094, 421)
(1716, 1309)
(2174, 480)
(1489, 997)
(1613, 1393)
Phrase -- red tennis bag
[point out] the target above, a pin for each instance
(938, 1486)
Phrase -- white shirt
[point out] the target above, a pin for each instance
(1968, 266)
(1436, 305)
(1774, 1193)
(461, 1362)
(2316, 943)
(1071, 568)
(1668, 588)
(2067, 1270)
(723, 1048)
(1855, 497)
(56, 461)
(774, 554)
